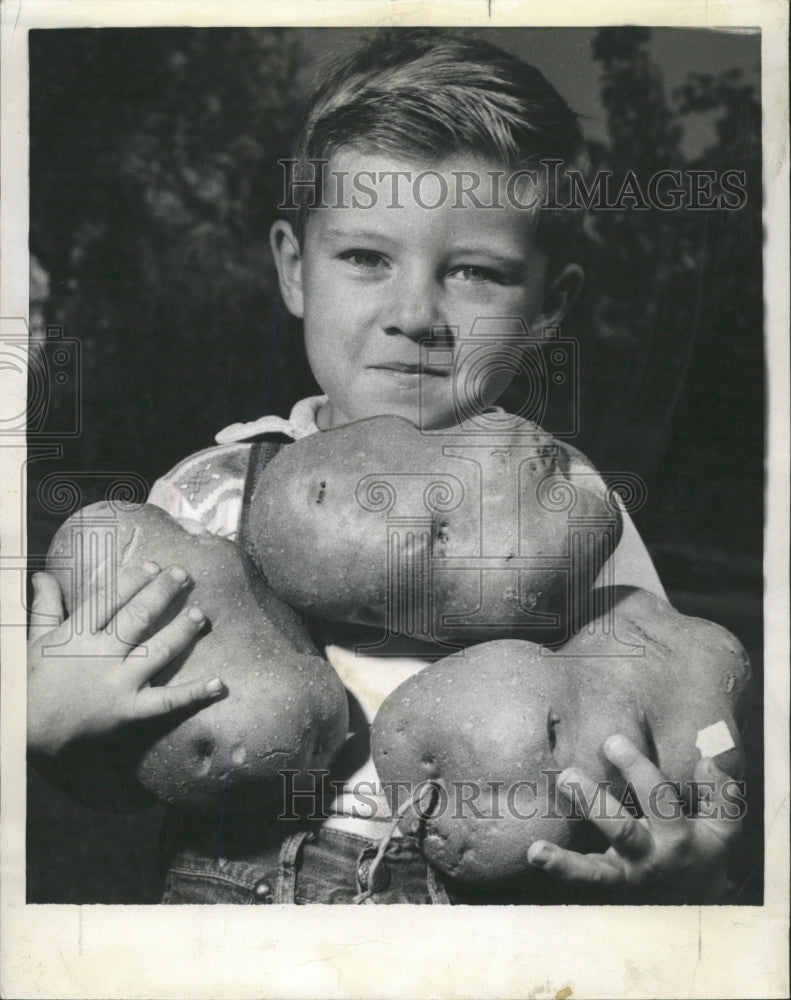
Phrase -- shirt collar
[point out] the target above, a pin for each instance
(300, 423)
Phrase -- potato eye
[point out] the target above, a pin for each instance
(553, 720)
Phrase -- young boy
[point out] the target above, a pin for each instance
(424, 175)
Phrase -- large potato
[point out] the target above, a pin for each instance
(286, 708)
(495, 725)
(452, 536)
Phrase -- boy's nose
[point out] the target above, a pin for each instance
(412, 309)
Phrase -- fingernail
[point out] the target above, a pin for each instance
(215, 686)
(151, 568)
(178, 574)
(35, 581)
(616, 744)
(196, 615)
(539, 857)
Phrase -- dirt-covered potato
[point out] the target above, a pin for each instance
(453, 536)
(494, 725)
(286, 708)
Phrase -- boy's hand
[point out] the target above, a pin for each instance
(664, 856)
(90, 684)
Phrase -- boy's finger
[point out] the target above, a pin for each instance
(109, 592)
(154, 701)
(46, 612)
(707, 769)
(573, 868)
(654, 792)
(632, 764)
(164, 646)
(630, 838)
(718, 815)
(137, 619)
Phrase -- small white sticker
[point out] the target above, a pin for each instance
(714, 740)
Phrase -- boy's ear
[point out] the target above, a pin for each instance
(561, 294)
(288, 261)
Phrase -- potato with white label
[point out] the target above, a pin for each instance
(493, 726)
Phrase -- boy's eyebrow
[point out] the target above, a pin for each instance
(357, 234)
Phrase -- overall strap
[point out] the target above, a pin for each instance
(261, 452)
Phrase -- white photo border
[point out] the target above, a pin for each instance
(219, 951)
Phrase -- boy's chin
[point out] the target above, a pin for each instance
(431, 415)
(423, 419)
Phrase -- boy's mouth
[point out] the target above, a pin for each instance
(408, 369)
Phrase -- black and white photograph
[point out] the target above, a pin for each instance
(395, 458)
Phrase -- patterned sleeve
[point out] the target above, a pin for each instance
(206, 489)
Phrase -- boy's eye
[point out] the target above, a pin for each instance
(471, 273)
(365, 260)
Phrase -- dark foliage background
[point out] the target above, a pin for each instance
(153, 183)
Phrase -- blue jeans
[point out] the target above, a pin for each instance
(307, 864)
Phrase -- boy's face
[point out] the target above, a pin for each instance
(372, 283)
